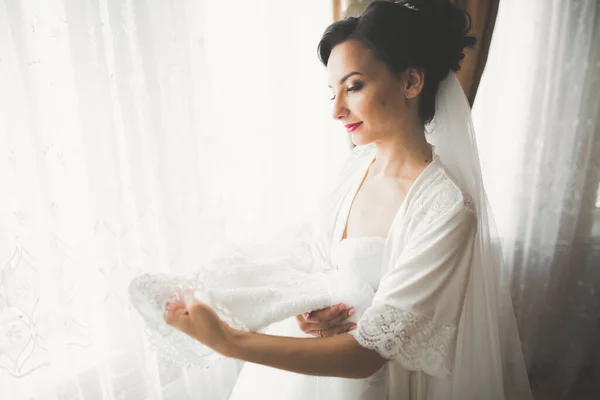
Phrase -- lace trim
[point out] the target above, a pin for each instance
(413, 340)
(148, 294)
(239, 291)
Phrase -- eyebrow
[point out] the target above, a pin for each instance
(347, 76)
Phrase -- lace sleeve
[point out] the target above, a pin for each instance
(415, 341)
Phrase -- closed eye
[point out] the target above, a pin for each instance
(354, 88)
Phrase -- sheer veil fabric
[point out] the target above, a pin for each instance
(488, 360)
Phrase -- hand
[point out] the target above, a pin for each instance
(326, 322)
(199, 321)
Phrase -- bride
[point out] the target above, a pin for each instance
(408, 217)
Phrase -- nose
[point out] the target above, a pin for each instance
(340, 110)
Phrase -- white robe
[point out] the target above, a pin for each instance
(413, 318)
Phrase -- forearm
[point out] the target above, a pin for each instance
(339, 356)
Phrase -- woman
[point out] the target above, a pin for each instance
(401, 220)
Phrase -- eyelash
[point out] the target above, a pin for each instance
(354, 88)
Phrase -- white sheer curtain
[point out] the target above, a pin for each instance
(537, 117)
(141, 135)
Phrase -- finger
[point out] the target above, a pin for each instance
(175, 305)
(309, 317)
(328, 321)
(301, 321)
(313, 329)
(342, 317)
(315, 332)
(326, 314)
(178, 319)
(309, 327)
(172, 316)
(339, 329)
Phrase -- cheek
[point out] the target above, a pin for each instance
(367, 106)
(385, 101)
(385, 111)
(359, 105)
(389, 105)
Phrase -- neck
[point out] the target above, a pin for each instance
(402, 155)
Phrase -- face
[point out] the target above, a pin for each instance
(368, 99)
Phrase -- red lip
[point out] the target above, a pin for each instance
(353, 127)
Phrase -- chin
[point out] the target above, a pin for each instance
(359, 140)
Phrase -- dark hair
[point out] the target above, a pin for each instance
(426, 34)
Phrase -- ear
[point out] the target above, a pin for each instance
(414, 81)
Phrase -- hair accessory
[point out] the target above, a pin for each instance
(408, 5)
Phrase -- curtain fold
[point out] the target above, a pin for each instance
(537, 112)
(143, 136)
